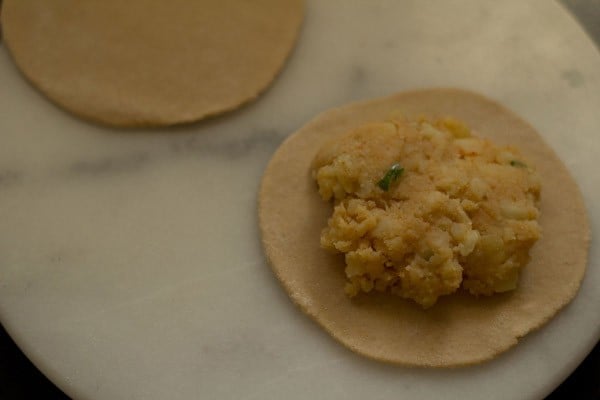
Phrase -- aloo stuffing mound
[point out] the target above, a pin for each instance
(442, 253)
(423, 208)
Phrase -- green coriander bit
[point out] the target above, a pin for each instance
(390, 177)
(517, 163)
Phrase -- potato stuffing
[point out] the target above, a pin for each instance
(424, 207)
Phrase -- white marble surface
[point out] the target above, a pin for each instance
(130, 263)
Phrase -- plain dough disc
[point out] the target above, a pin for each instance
(150, 62)
(460, 329)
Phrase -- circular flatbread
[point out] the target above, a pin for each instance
(460, 329)
(150, 62)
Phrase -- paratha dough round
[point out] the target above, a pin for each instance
(460, 329)
(150, 62)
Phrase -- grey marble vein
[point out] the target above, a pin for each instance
(189, 145)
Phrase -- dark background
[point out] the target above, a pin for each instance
(20, 380)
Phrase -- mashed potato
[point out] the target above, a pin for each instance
(423, 207)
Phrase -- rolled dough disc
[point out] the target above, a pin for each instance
(150, 62)
(460, 329)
